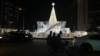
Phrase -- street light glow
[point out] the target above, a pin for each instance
(20, 9)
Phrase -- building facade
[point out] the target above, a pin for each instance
(88, 14)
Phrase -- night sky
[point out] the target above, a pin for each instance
(39, 10)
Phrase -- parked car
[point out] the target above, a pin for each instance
(88, 43)
(17, 36)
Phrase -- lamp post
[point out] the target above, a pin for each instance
(23, 13)
(23, 18)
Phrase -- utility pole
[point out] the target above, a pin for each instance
(23, 19)
(23, 16)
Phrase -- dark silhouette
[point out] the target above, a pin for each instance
(55, 43)
(59, 44)
(50, 42)
(49, 39)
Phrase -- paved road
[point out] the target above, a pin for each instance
(35, 48)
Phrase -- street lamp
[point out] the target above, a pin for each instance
(20, 9)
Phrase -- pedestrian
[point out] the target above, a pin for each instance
(49, 42)
(49, 39)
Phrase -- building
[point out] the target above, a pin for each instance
(9, 16)
(94, 15)
(88, 15)
(82, 15)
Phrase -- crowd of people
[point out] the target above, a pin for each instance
(55, 43)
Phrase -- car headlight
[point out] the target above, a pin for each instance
(26, 36)
(0, 37)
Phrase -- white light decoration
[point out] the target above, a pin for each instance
(52, 25)
(53, 4)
